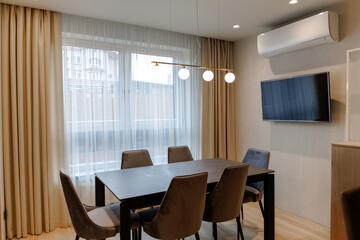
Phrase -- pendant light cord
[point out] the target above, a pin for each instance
(198, 31)
(218, 19)
(197, 27)
(170, 14)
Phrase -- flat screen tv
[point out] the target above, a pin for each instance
(297, 99)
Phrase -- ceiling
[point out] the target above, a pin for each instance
(253, 16)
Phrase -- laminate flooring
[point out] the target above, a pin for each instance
(287, 227)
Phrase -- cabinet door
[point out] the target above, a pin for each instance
(345, 170)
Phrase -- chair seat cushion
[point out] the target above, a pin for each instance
(148, 215)
(109, 216)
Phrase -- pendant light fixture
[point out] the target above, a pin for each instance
(229, 77)
(208, 75)
(184, 73)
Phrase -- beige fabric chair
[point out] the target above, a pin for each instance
(350, 201)
(254, 192)
(179, 154)
(181, 210)
(135, 158)
(225, 201)
(94, 222)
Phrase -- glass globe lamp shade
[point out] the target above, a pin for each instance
(208, 75)
(230, 77)
(183, 73)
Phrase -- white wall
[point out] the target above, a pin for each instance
(300, 152)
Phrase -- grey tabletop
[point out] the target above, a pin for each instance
(142, 181)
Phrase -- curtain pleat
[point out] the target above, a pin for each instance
(32, 119)
(218, 116)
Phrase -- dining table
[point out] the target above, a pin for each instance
(141, 187)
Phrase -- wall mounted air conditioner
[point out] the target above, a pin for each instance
(311, 31)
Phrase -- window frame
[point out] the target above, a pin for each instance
(124, 49)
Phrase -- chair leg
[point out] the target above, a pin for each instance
(139, 233)
(242, 212)
(197, 236)
(261, 208)
(239, 229)
(77, 237)
(214, 231)
(134, 234)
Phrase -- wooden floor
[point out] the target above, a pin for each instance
(288, 226)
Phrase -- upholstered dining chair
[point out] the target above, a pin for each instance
(135, 158)
(181, 210)
(226, 199)
(254, 192)
(94, 222)
(179, 154)
(350, 200)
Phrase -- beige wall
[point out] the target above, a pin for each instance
(300, 152)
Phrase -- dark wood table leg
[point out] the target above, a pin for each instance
(125, 221)
(99, 193)
(269, 207)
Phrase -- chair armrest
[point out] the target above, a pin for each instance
(252, 190)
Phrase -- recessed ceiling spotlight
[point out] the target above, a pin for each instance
(293, 2)
(236, 26)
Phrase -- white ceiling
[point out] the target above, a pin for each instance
(253, 16)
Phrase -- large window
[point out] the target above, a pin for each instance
(115, 99)
(92, 107)
(95, 120)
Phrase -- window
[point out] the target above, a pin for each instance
(99, 114)
(143, 73)
(116, 100)
(78, 74)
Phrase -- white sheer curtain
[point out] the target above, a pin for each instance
(116, 100)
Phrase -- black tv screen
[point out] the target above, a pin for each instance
(303, 98)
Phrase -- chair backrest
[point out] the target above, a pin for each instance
(258, 158)
(83, 225)
(180, 213)
(350, 201)
(225, 201)
(135, 158)
(179, 154)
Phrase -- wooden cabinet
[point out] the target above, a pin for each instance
(345, 174)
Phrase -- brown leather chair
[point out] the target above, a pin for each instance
(179, 154)
(181, 210)
(94, 222)
(135, 158)
(254, 192)
(350, 200)
(226, 199)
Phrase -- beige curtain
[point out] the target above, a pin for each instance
(218, 102)
(32, 121)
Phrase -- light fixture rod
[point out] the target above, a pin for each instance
(194, 66)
